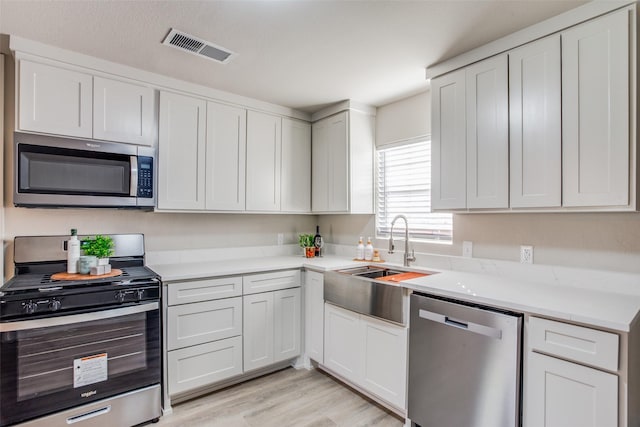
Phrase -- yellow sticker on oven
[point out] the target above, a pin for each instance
(89, 370)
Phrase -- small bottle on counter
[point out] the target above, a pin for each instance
(360, 250)
(368, 250)
(73, 252)
(318, 242)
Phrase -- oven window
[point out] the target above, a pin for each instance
(48, 357)
(48, 170)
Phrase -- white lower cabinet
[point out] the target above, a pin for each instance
(201, 365)
(271, 327)
(314, 315)
(565, 394)
(369, 352)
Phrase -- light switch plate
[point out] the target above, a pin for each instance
(467, 249)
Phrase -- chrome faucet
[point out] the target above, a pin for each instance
(407, 258)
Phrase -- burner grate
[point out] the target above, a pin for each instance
(46, 278)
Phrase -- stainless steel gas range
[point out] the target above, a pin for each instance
(82, 352)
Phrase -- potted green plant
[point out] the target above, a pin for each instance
(101, 247)
(306, 243)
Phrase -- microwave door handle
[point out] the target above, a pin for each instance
(133, 190)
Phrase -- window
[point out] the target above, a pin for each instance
(404, 187)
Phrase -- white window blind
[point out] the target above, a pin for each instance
(404, 187)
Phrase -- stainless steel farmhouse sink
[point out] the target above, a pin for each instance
(356, 289)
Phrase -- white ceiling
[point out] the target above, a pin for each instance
(302, 54)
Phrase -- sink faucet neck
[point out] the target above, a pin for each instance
(407, 259)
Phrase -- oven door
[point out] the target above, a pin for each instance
(52, 171)
(60, 362)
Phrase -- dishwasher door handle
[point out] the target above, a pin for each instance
(475, 328)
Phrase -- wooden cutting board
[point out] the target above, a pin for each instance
(75, 276)
(402, 277)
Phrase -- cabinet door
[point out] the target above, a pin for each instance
(595, 112)
(563, 394)
(385, 360)
(181, 169)
(264, 144)
(487, 99)
(330, 164)
(296, 166)
(226, 151)
(122, 111)
(192, 324)
(202, 365)
(535, 124)
(343, 343)
(314, 315)
(448, 143)
(258, 330)
(286, 339)
(54, 100)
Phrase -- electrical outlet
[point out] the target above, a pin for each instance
(467, 249)
(526, 254)
(280, 239)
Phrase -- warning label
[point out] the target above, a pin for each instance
(89, 370)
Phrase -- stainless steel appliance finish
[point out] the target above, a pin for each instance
(128, 409)
(464, 364)
(52, 171)
(85, 352)
(351, 289)
(407, 259)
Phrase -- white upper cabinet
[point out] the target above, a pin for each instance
(595, 112)
(487, 101)
(342, 163)
(225, 164)
(54, 100)
(295, 187)
(449, 143)
(264, 147)
(122, 111)
(535, 135)
(181, 158)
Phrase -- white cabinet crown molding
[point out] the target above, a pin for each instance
(542, 29)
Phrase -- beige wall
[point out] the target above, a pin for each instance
(404, 120)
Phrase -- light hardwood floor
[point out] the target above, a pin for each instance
(285, 398)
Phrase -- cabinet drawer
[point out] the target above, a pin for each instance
(265, 282)
(203, 290)
(584, 345)
(202, 365)
(202, 322)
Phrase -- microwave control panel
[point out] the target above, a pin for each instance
(145, 177)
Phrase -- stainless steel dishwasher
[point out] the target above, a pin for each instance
(464, 364)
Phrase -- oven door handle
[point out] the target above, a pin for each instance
(77, 318)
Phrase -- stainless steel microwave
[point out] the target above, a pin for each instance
(61, 172)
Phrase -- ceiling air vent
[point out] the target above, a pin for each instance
(196, 46)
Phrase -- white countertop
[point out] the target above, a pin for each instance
(599, 308)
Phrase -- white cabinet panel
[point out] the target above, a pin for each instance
(535, 136)
(264, 145)
(54, 100)
(226, 151)
(448, 144)
(584, 345)
(201, 365)
(295, 183)
(287, 338)
(122, 111)
(273, 281)
(487, 101)
(314, 315)
(595, 112)
(198, 323)
(564, 394)
(181, 171)
(385, 362)
(343, 343)
(258, 330)
(203, 290)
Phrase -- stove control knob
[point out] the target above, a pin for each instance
(54, 305)
(29, 307)
(120, 296)
(140, 294)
